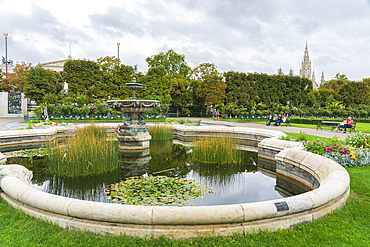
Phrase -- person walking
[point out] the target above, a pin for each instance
(218, 115)
(45, 113)
(214, 113)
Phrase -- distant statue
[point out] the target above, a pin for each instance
(135, 68)
(4, 61)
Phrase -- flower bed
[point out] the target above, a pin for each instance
(182, 121)
(353, 151)
(47, 124)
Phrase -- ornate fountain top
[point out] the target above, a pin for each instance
(134, 86)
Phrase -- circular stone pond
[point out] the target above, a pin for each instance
(228, 184)
(229, 210)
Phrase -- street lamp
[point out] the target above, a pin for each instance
(6, 54)
(118, 49)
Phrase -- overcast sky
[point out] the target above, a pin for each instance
(239, 35)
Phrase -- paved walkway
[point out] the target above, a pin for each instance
(12, 123)
(7, 123)
(323, 133)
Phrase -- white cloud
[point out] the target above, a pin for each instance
(239, 35)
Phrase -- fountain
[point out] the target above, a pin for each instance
(133, 135)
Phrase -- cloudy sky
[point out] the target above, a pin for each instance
(239, 35)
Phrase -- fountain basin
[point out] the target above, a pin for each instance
(330, 180)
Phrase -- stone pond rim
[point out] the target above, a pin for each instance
(330, 179)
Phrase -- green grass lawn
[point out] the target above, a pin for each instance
(296, 136)
(348, 226)
(363, 127)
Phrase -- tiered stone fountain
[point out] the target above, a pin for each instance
(133, 134)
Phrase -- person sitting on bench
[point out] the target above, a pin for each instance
(271, 119)
(341, 125)
(278, 121)
(349, 124)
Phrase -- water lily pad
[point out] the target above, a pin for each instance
(159, 190)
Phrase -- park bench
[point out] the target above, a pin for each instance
(285, 123)
(333, 126)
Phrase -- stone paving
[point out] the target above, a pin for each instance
(323, 133)
(12, 123)
(8, 123)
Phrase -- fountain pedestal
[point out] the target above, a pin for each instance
(133, 135)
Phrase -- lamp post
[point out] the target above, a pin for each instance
(6, 54)
(118, 50)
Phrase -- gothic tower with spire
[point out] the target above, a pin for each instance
(322, 78)
(305, 70)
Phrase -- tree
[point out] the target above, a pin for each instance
(114, 78)
(41, 82)
(82, 76)
(209, 86)
(366, 80)
(354, 93)
(336, 83)
(179, 92)
(174, 64)
(14, 81)
(239, 89)
(157, 82)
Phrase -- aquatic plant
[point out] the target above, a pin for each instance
(40, 152)
(160, 132)
(89, 152)
(217, 150)
(156, 190)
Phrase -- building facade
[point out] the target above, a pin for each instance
(307, 72)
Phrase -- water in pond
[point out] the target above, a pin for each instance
(242, 183)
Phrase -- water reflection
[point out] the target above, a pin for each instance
(251, 181)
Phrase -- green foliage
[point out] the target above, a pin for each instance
(35, 152)
(179, 92)
(156, 191)
(302, 136)
(336, 83)
(157, 82)
(42, 86)
(208, 88)
(217, 150)
(182, 121)
(89, 152)
(114, 78)
(82, 76)
(261, 88)
(354, 93)
(174, 64)
(160, 132)
(353, 151)
(358, 140)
